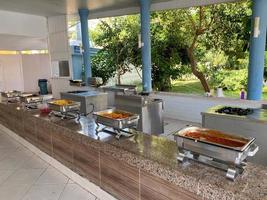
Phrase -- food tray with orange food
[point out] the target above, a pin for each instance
(216, 138)
(117, 119)
(215, 148)
(64, 105)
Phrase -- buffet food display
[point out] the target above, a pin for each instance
(65, 108)
(214, 137)
(64, 105)
(116, 115)
(215, 148)
(31, 101)
(10, 96)
(117, 120)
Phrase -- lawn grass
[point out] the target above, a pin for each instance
(195, 87)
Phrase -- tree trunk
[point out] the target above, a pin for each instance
(119, 78)
(197, 73)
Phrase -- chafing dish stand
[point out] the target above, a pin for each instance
(119, 126)
(71, 111)
(231, 160)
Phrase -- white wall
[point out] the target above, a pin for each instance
(11, 73)
(189, 107)
(35, 67)
(21, 72)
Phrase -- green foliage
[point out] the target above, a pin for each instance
(168, 52)
(231, 80)
(230, 31)
(103, 66)
(118, 39)
(222, 45)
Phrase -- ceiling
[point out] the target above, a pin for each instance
(98, 8)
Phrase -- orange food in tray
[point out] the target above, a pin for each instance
(62, 102)
(116, 115)
(215, 137)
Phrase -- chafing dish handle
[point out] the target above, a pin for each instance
(253, 150)
(72, 106)
(133, 119)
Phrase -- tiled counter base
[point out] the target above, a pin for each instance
(142, 167)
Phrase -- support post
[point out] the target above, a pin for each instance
(257, 49)
(146, 45)
(84, 13)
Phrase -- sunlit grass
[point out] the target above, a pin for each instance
(195, 87)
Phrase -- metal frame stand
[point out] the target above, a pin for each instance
(232, 171)
(67, 115)
(118, 132)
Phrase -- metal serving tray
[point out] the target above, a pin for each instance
(232, 155)
(228, 158)
(28, 99)
(128, 122)
(74, 106)
(11, 94)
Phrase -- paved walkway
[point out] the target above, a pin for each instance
(173, 125)
(24, 176)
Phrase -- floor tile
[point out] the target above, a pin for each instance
(7, 143)
(23, 151)
(24, 176)
(35, 163)
(4, 174)
(44, 192)
(70, 181)
(74, 191)
(52, 176)
(12, 163)
(5, 152)
(13, 193)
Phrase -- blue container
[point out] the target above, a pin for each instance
(42, 83)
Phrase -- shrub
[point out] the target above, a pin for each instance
(231, 80)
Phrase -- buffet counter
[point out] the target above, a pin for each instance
(251, 125)
(139, 167)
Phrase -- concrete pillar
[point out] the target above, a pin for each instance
(84, 13)
(146, 45)
(78, 30)
(257, 49)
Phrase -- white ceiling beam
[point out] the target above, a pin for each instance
(167, 5)
(20, 24)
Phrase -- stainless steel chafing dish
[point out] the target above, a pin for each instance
(66, 109)
(116, 119)
(63, 105)
(11, 94)
(30, 98)
(224, 151)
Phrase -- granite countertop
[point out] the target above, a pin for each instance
(258, 115)
(157, 155)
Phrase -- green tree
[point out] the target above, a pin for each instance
(118, 39)
(180, 38)
(103, 66)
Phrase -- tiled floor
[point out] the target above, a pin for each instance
(24, 176)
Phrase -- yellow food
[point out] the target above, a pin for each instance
(116, 115)
(62, 102)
